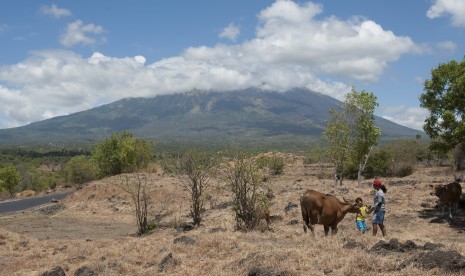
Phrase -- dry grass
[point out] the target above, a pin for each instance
(96, 230)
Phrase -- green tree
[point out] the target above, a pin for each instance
(9, 178)
(351, 132)
(79, 170)
(122, 153)
(443, 98)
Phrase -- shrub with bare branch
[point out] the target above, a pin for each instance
(248, 187)
(137, 188)
(198, 167)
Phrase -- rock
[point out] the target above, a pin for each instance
(353, 245)
(85, 271)
(258, 271)
(446, 260)
(167, 260)
(289, 207)
(56, 271)
(185, 240)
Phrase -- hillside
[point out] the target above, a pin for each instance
(94, 227)
(241, 117)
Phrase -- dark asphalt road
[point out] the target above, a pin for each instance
(23, 204)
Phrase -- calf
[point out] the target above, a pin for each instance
(448, 195)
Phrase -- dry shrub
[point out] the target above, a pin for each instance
(218, 248)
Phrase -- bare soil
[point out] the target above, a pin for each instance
(95, 227)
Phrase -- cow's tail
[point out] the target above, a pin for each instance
(305, 215)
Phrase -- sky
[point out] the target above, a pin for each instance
(61, 57)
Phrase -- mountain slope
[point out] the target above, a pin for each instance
(246, 116)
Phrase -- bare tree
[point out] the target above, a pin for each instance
(137, 189)
(198, 167)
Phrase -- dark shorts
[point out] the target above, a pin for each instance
(378, 217)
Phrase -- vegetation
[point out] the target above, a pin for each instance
(443, 98)
(80, 169)
(351, 132)
(9, 179)
(249, 192)
(198, 167)
(122, 153)
(138, 190)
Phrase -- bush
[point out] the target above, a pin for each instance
(249, 192)
(121, 153)
(9, 179)
(378, 164)
(404, 170)
(80, 169)
(198, 168)
(275, 164)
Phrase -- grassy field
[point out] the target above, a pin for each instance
(94, 227)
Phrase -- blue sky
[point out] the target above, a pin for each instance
(61, 57)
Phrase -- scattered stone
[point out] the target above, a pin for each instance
(217, 229)
(56, 271)
(225, 205)
(327, 271)
(289, 207)
(275, 218)
(393, 246)
(258, 271)
(52, 209)
(167, 260)
(353, 245)
(185, 240)
(294, 222)
(432, 246)
(76, 259)
(184, 227)
(85, 271)
(54, 200)
(446, 260)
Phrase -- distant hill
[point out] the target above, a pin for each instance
(241, 117)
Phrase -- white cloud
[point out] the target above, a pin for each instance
(291, 49)
(447, 46)
(454, 8)
(413, 117)
(78, 33)
(231, 32)
(54, 11)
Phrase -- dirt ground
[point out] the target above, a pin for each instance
(102, 214)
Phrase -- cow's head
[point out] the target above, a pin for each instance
(353, 205)
(435, 189)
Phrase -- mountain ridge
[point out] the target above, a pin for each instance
(239, 117)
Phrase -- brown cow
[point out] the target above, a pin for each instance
(325, 209)
(448, 195)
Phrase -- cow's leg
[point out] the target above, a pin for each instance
(326, 227)
(334, 229)
(312, 228)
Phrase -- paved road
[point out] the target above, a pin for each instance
(23, 204)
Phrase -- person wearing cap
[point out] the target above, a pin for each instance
(379, 207)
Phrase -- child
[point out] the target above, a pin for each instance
(361, 215)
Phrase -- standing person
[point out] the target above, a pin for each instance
(361, 215)
(379, 207)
